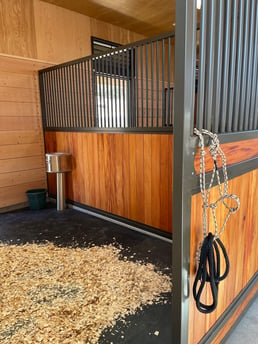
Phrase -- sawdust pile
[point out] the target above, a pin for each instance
(63, 295)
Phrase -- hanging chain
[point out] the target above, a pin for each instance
(215, 151)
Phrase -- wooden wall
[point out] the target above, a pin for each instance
(240, 239)
(35, 29)
(33, 32)
(129, 175)
(22, 162)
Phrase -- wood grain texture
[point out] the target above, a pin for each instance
(129, 175)
(61, 35)
(16, 194)
(240, 240)
(22, 160)
(149, 19)
(234, 151)
(17, 28)
(113, 33)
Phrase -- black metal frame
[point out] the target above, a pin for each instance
(183, 158)
(185, 182)
(67, 90)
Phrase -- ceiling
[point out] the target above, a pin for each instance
(148, 18)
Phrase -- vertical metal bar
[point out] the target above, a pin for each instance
(47, 99)
(96, 93)
(224, 100)
(53, 103)
(85, 95)
(107, 94)
(254, 88)
(123, 83)
(147, 83)
(82, 96)
(244, 67)
(142, 125)
(54, 124)
(56, 105)
(239, 66)
(62, 96)
(232, 66)
(78, 93)
(168, 116)
(202, 66)
(67, 97)
(136, 88)
(152, 93)
(90, 94)
(252, 28)
(130, 86)
(184, 146)
(57, 98)
(119, 89)
(218, 66)
(42, 98)
(115, 92)
(64, 99)
(72, 96)
(75, 95)
(210, 50)
(157, 81)
(163, 83)
(102, 83)
(111, 93)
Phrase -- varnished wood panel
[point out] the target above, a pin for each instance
(17, 28)
(240, 240)
(234, 151)
(222, 333)
(129, 175)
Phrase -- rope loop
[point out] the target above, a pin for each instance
(211, 248)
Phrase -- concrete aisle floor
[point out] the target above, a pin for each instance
(73, 227)
(246, 331)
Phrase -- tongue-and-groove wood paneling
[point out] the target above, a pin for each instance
(129, 175)
(22, 163)
(240, 240)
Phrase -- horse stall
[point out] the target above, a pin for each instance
(162, 134)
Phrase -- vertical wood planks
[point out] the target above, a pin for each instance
(240, 240)
(129, 175)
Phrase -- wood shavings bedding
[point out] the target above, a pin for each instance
(53, 294)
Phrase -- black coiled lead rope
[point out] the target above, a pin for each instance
(209, 272)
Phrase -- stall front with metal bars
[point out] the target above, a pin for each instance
(129, 87)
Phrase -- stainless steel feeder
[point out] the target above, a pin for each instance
(59, 163)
